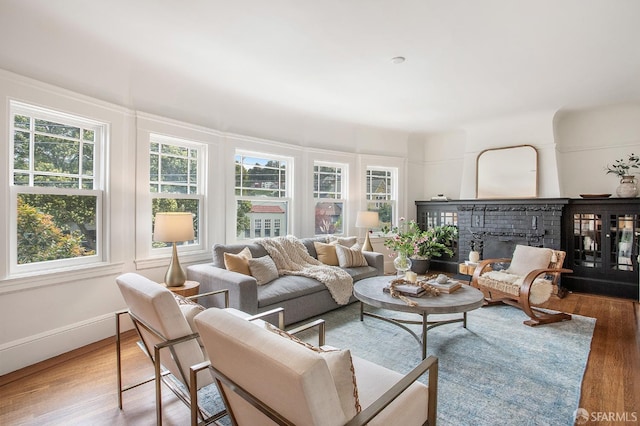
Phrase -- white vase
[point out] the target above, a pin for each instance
(628, 187)
(474, 256)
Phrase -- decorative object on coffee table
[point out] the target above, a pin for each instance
(622, 168)
(420, 245)
(402, 263)
(370, 291)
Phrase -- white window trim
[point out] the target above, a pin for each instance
(102, 131)
(344, 193)
(147, 256)
(395, 204)
(289, 188)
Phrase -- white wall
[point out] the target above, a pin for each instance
(573, 146)
(588, 140)
(46, 315)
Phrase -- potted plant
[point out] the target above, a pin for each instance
(623, 169)
(408, 240)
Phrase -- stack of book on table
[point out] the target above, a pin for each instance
(449, 287)
(407, 290)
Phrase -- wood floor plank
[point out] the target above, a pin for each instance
(79, 388)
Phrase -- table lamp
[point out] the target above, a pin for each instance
(367, 220)
(173, 228)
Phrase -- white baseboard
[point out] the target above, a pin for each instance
(30, 350)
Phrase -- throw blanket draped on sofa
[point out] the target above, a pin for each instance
(291, 258)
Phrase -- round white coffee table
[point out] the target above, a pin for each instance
(370, 291)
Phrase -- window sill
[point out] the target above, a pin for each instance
(59, 276)
(185, 259)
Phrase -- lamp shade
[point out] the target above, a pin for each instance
(367, 219)
(173, 227)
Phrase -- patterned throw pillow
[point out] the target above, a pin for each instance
(349, 257)
(238, 262)
(263, 269)
(341, 368)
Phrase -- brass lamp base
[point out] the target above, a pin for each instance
(175, 276)
(367, 243)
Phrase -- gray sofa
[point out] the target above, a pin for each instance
(301, 297)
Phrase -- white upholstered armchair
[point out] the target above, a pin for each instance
(268, 377)
(164, 323)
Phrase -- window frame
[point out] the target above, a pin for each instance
(343, 199)
(101, 131)
(393, 193)
(287, 190)
(200, 195)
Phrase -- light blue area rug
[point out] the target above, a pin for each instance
(498, 371)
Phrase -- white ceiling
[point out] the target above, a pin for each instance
(201, 59)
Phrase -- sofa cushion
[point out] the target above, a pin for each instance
(308, 243)
(263, 269)
(349, 257)
(326, 253)
(287, 287)
(344, 241)
(361, 272)
(220, 249)
(238, 262)
(526, 259)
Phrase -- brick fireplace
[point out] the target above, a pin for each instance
(494, 227)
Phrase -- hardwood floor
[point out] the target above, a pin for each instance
(80, 387)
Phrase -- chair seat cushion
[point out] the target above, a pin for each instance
(505, 282)
(410, 408)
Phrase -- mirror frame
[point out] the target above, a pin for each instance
(492, 186)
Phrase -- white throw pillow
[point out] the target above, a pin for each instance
(526, 258)
(350, 257)
(263, 269)
(344, 241)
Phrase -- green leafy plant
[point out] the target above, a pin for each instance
(408, 238)
(622, 168)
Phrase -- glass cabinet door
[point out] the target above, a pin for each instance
(622, 231)
(611, 247)
(587, 235)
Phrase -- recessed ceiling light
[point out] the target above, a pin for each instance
(398, 60)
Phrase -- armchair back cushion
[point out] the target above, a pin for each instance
(156, 306)
(526, 259)
(293, 380)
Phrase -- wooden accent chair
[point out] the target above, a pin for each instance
(266, 376)
(532, 277)
(164, 323)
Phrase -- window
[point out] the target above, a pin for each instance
(175, 184)
(57, 189)
(381, 193)
(261, 193)
(329, 195)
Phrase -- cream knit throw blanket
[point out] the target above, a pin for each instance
(292, 258)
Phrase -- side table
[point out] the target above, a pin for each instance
(190, 288)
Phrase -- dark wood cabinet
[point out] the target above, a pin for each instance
(601, 236)
(431, 214)
(601, 240)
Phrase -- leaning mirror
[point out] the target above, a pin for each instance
(510, 172)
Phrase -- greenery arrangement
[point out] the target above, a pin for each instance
(622, 168)
(409, 239)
